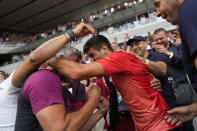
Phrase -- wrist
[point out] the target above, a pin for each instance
(94, 99)
(100, 113)
(146, 62)
(170, 54)
(71, 35)
(67, 37)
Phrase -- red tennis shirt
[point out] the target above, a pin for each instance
(132, 80)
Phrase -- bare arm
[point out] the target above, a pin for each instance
(54, 117)
(157, 68)
(44, 52)
(78, 71)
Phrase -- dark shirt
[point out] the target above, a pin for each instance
(188, 33)
(166, 89)
(175, 65)
(78, 93)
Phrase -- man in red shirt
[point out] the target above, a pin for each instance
(129, 76)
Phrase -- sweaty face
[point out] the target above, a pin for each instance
(161, 38)
(95, 54)
(167, 9)
(139, 47)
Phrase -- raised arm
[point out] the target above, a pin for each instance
(46, 51)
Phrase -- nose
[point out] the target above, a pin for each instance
(158, 13)
(133, 48)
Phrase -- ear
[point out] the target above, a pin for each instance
(104, 48)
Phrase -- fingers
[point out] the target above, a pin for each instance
(92, 85)
(83, 29)
(169, 119)
(157, 88)
(90, 29)
(173, 120)
(159, 50)
(179, 123)
(175, 110)
(155, 84)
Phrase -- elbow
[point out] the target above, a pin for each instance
(33, 58)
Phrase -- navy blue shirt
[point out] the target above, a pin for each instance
(166, 89)
(188, 33)
(175, 66)
(68, 27)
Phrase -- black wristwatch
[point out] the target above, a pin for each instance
(71, 34)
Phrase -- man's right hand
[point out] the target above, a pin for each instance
(181, 114)
(93, 93)
(83, 29)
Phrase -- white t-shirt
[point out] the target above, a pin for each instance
(8, 104)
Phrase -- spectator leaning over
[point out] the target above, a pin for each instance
(56, 109)
(10, 88)
(183, 12)
(139, 46)
(147, 106)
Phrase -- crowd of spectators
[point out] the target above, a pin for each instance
(170, 42)
(145, 84)
(9, 39)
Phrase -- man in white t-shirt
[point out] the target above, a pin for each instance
(8, 104)
(10, 88)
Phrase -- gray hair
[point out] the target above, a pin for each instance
(67, 51)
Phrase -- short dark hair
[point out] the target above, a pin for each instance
(160, 30)
(96, 42)
(2, 71)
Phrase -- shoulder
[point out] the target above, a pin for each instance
(156, 56)
(121, 55)
(7, 85)
(44, 74)
(188, 10)
(41, 81)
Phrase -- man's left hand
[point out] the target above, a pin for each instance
(103, 105)
(155, 83)
(161, 49)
